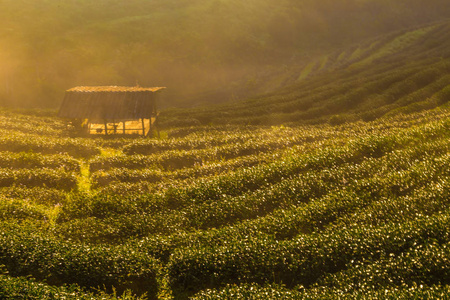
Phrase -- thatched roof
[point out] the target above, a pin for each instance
(109, 102)
(114, 89)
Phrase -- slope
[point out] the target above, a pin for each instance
(358, 210)
(194, 47)
(405, 71)
(316, 210)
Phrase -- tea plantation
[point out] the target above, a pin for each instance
(336, 187)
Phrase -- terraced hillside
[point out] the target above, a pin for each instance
(204, 50)
(308, 211)
(345, 196)
(403, 72)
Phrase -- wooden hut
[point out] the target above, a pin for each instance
(112, 109)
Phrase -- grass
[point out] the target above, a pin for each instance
(84, 178)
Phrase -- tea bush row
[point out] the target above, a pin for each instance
(350, 187)
(173, 160)
(26, 288)
(238, 182)
(229, 210)
(21, 210)
(36, 195)
(30, 123)
(156, 146)
(338, 208)
(25, 253)
(380, 86)
(274, 292)
(36, 160)
(18, 142)
(344, 206)
(309, 107)
(421, 93)
(52, 178)
(423, 264)
(129, 175)
(170, 160)
(102, 178)
(254, 178)
(224, 144)
(302, 260)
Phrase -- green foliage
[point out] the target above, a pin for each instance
(25, 288)
(292, 179)
(58, 262)
(39, 195)
(256, 292)
(19, 142)
(306, 258)
(356, 209)
(30, 160)
(58, 179)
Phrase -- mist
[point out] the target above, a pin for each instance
(202, 50)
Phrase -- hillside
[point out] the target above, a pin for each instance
(208, 50)
(333, 183)
(358, 210)
(402, 72)
(345, 194)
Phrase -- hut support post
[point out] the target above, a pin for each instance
(88, 127)
(106, 127)
(143, 126)
(155, 111)
(150, 133)
(123, 127)
(156, 125)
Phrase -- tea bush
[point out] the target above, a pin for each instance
(39, 195)
(18, 142)
(36, 160)
(52, 178)
(57, 262)
(302, 260)
(256, 292)
(26, 288)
